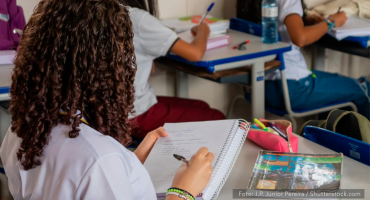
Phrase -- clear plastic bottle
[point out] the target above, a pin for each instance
(270, 13)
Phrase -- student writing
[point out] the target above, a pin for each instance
(153, 40)
(72, 91)
(306, 90)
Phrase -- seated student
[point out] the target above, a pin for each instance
(153, 40)
(72, 91)
(307, 90)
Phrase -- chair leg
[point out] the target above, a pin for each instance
(294, 123)
(230, 112)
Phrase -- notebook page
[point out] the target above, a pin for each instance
(184, 139)
(354, 24)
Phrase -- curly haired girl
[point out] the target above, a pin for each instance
(71, 94)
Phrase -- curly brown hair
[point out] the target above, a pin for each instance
(74, 55)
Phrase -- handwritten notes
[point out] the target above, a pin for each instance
(184, 139)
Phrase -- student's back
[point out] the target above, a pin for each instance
(152, 40)
(90, 166)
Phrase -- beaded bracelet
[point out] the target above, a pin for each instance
(181, 193)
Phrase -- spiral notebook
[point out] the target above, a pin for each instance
(223, 138)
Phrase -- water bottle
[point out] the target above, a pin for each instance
(269, 21)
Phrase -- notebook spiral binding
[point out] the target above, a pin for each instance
(244, 125)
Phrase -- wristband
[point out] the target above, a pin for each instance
(333, 21)
(330, 24)
(180, 193)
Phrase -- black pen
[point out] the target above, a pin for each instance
(181, 158)
(339, 9)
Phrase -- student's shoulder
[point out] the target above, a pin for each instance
(137, 14)
(89, 144)
(101, 145)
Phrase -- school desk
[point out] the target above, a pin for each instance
(355, 175)
(256, 55)
(350, 47)
(240, 75)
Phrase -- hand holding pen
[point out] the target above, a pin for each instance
(194, 175)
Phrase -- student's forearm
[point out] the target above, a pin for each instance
(200, 42)
(312, 34)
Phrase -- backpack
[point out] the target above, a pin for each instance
(347, 123)
(11, 18)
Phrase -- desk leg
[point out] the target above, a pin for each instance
(318, 58)
(258, 90)
(182, 84)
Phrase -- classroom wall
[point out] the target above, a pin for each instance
(217, 95)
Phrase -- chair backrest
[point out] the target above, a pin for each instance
(355, 149)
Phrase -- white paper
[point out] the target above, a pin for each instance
(184, 139)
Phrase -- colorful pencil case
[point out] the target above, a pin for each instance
(273, 142)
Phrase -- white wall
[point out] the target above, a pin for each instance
(28, 6)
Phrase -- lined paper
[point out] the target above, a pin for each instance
(184, 139)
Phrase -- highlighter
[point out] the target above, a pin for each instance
(261, 124)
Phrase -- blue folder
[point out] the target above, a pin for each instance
(363, 41)
(355, 149)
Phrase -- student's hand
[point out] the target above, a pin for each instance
(203, 27)
(195, 176)
(143, 150)
(340, 19)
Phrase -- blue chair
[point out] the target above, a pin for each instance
(256, 29)
(355, 149)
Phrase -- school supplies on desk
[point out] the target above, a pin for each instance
(214, 40)
(241, 44)
(223, 138)
(292, 172)
(217, 26)
(354, 26)
(261, 124)
(286, 141)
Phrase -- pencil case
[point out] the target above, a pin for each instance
(273, 142)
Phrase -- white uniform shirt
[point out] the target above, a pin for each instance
(151, 40)
(91, 166)
(296, 67)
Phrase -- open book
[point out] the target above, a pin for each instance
(223, 138)
(354, 26)
(214, 40)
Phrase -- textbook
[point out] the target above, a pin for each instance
(292, 172)
(183, 24)
(214, 40)
(354, 26)
(223, 138)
